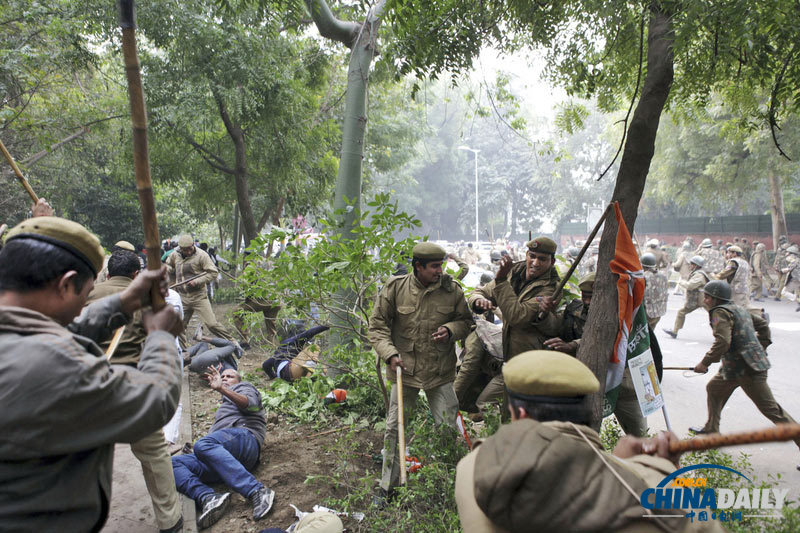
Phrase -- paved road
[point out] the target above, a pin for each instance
(686, 397)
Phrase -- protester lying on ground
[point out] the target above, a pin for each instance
(64, 406)
(292, 360)
(228, 453)
(212, 351)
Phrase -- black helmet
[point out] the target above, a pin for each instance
(718, 289)
(648, 260)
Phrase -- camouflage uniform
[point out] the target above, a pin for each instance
(714, 262)
(656, 292)
(740, 339)
(737, 274)
(572, 322)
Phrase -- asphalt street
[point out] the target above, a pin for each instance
(685, 397)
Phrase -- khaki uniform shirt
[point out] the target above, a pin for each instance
(64, 407)
(694, 289)
(405, 316)
(522, 328)
(197, 263)
(532, 476)
(134, 335)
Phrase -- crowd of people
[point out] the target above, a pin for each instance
(88, 359)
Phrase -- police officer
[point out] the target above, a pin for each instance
(547, 470)
(759, 273)
(523, 293)
(191, 261)
(740, 342)
(713, 259)
(694, 295)
(573, 319)
(656, 290)
(414, 325)
(737, 273)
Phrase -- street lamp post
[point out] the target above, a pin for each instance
(462, 147)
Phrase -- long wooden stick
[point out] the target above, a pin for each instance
(18, 172)
(112, 347)
(141, 162)
(401, 426)
(780, 432)
(678, 368)
(186, 281)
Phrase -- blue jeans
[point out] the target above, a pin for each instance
(224, 456)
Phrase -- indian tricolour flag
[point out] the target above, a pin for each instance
(632, 317)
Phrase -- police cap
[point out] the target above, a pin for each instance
(586, 283)
(542, 244)
(65, 234)
(548, 376)
(185, 241)
(428, 251)
(125, 245)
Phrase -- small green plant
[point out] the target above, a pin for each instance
(610, 433)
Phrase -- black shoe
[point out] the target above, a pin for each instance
(381, 499)
(262, 502)
(700, 430)
(177, 528)
(245, 345)
(214, 506)
(670, 333)
(777, 299)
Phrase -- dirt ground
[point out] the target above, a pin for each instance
(290, 454)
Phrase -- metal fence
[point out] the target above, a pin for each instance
(699, 225)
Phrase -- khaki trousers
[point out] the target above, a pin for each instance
(680, 320)
(198, 301)
(627, 411)
(444, 407)
(270, 313)
(652, 322)
(755, 386)
(153, 453)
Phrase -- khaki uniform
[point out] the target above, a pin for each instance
(196, 298)
(781, 262)
(153, 450)
(740, 339)
(471, 255)
(737, 274)
(694, 297)
(683, 267)
(533, 476)
(573, 319)
(662, 258)
(517, 300)
(65, 407)
(405, 316)
(759, 273)
(656, 292)
(478, 361)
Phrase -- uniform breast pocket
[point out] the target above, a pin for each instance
(405, 317)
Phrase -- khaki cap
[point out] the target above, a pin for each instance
(734, 248)
(542, 244)
(546, 375)
(125, 245)
(428, 251)
(185, 241)
(65, 234)
(319, 522)
(586, 283)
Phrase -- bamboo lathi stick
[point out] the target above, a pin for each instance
(18, 172)
(777, 433)
(141, 162)
(401, 426)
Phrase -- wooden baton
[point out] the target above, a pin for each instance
(141, 162)
(401, 426)
(186, 281)
(777, 433)
(18, 172)
(678, 368)
(112, 347)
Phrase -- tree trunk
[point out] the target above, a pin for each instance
(236, 236)
(602, 324)
(776, 208)
(362, 39)
(236, 134)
